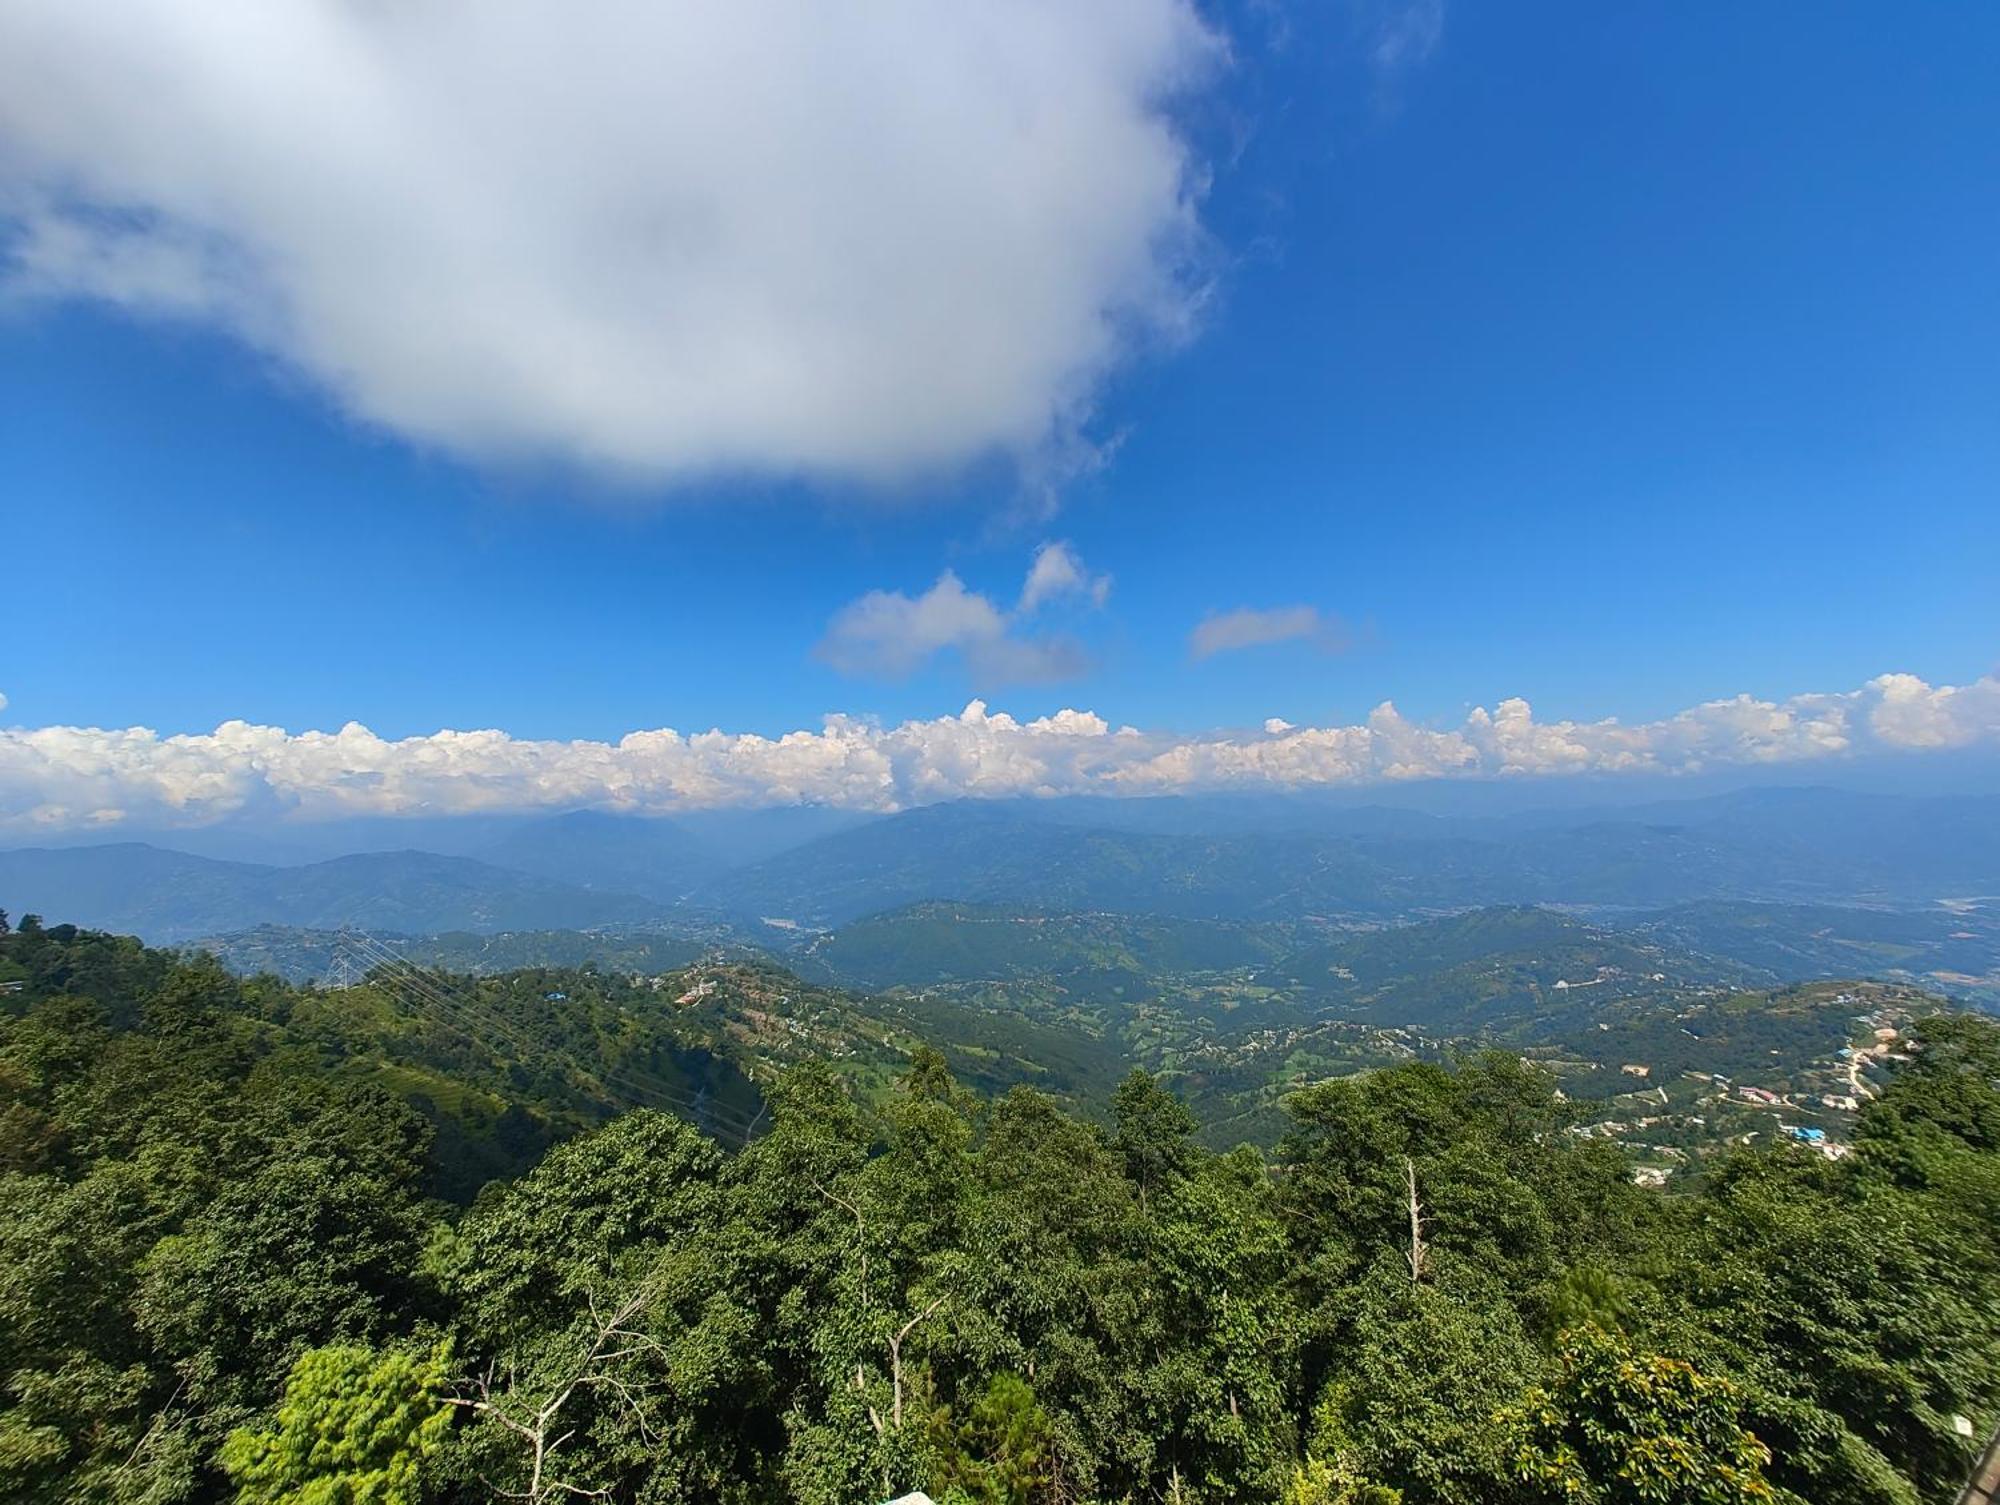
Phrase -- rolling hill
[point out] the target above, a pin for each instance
(1099, 953)
(1495, 970)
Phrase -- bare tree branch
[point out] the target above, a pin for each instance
(896, 1360)
(1420, 1253)
(860, 1234)
(611, 1340)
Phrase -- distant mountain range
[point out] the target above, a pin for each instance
(1199, 859)
(167, 897)
(1794, 845)
(657, 859)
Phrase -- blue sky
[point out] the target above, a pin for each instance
(1614, 357)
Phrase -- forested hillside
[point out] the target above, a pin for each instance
(299, 954)
(1091, 955)
(231, 1268)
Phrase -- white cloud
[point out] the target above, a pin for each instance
(664, 240)
(888, 635)
(1058, 572)
(55, 778)
(1248, 627)
(1403, 33)
(1909, 713)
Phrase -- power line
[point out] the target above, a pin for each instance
(453, 1008)
(438, 994)
(411, 981)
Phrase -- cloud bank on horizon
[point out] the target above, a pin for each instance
(857, 243)
(66, 778)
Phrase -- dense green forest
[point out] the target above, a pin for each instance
(268, 1243)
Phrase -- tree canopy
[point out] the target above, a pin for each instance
(239, 1260)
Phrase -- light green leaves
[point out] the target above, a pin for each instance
(353, 1429)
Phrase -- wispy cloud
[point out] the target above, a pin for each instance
(1253, 627)
(1058, 572)
(55, 778)
(772, 236)
(1402, 33)
(889, 635)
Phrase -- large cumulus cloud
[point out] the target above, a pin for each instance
(58, 778)
(856, 241)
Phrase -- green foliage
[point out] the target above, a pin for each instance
(1952, 1089)
(224, 1272)
(1616, 1427)
(181, 1221)
(1155, 1138)
(1318, 1481)
(1588, 1295)
(594, 1301)
(1423, 1371)
(1003, 1452)
(353, 1429)
(1868, 1320)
